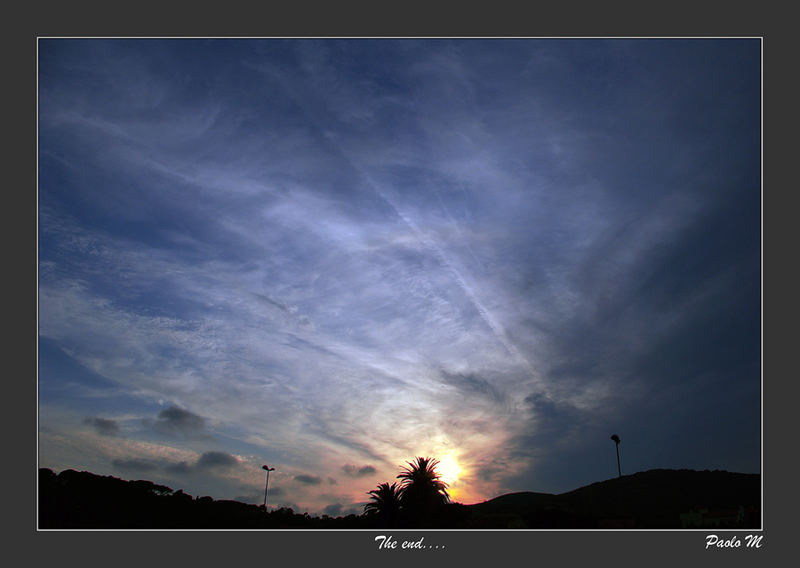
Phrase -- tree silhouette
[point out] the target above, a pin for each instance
(385, 502)
(422, 491)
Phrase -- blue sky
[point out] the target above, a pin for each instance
(333, 256)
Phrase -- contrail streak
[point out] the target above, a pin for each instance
(485, 315)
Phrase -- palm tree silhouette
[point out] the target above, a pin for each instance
(422, 490)
(385, 501)
(616, 441)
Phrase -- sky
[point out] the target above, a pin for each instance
(335, 255)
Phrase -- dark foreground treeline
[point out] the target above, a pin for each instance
(82, 500)
(653, 499)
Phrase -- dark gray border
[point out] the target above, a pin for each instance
(200, 548)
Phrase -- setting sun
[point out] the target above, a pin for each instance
(448, 469)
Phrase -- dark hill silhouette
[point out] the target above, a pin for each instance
(667, 499)
(658, 498)
(514, 502)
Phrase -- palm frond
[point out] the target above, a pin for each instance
(421, 484)
(385, 499)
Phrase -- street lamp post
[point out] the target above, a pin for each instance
(266, 487)
(616, 441)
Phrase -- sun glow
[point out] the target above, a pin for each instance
(448, 469)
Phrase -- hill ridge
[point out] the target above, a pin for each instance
(658, 498)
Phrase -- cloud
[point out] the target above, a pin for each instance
(333, 510)
(356, 471)
(179, 467)
(104, 426)
(554, 420)
(178, 421)
(473, 384)
(215, 460)
(308, 479)
(134, 464)
(211, 461)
